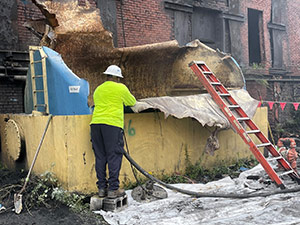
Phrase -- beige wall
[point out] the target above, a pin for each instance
(159, 145)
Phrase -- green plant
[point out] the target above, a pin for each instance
(45, 189)
(291, 127)
(263, 82)
(173, 178)
(198, 173)
(73, 200)
(257, 66)
(128, 184)
(41, 190)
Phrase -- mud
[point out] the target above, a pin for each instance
(53, 216)
(55, 213)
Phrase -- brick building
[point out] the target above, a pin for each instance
(263, 36)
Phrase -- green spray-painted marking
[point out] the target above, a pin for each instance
(131, 131)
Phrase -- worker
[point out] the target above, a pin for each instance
(107, 130)
(292, 155)
(287, 148)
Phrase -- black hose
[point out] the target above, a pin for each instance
(134, 173)
(206, 195)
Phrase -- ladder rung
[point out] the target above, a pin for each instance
(263, 145)
(274, 158)
(252, 131)
(243, 118)
(38, 91)
(233, 106)
(208, 79)
(215, 83)
(38, 61)
(37, 76)
(40, 105)
(199, 62)
(224, 94)
(286, 173)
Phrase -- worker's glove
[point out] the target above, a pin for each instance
(139, 106)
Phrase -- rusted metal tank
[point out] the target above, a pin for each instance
(151, 70)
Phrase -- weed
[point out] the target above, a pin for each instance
(198, 173)
(174, 178)
(263, 82)
(291, 128)
(45, 190)
(72, 200)
(128, 184)
(41, 190)
(257, 66)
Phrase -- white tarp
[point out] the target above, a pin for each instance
(200, 107)
(183, 209)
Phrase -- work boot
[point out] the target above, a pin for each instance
(115, 193)
(102, 192)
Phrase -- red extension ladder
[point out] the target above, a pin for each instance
(236, 115)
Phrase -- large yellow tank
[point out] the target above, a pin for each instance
(159, 145)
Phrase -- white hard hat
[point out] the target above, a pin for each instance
(113, 70)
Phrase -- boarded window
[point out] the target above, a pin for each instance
(207, 26)
(192, 23)
(277, 32)
(182, 27)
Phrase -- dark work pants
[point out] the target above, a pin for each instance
(108, 147)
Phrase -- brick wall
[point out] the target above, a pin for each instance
(293, 31)
(11, 96)
(265, 7)
(8, 20)
(147, 21)
(144, 22)
(83, 2)
(27, 11)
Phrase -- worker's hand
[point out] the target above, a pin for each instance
(140, 106)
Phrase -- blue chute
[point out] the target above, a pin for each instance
(67, 93)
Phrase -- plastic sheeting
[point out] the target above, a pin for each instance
(200, 107)
(67, 93)
(281, 209)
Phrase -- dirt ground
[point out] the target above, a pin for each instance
(53, 213)
(53, 216)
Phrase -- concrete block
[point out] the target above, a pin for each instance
(107, 204)
(96, 203)
(115, 204)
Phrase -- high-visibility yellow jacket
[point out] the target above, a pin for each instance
(109, 99)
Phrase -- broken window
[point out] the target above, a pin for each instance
(254, 36)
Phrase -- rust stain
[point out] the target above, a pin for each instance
(84, 161)
(151, 70)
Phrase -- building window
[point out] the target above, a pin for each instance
(192, 23)
(207, 26)
(255, 36)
